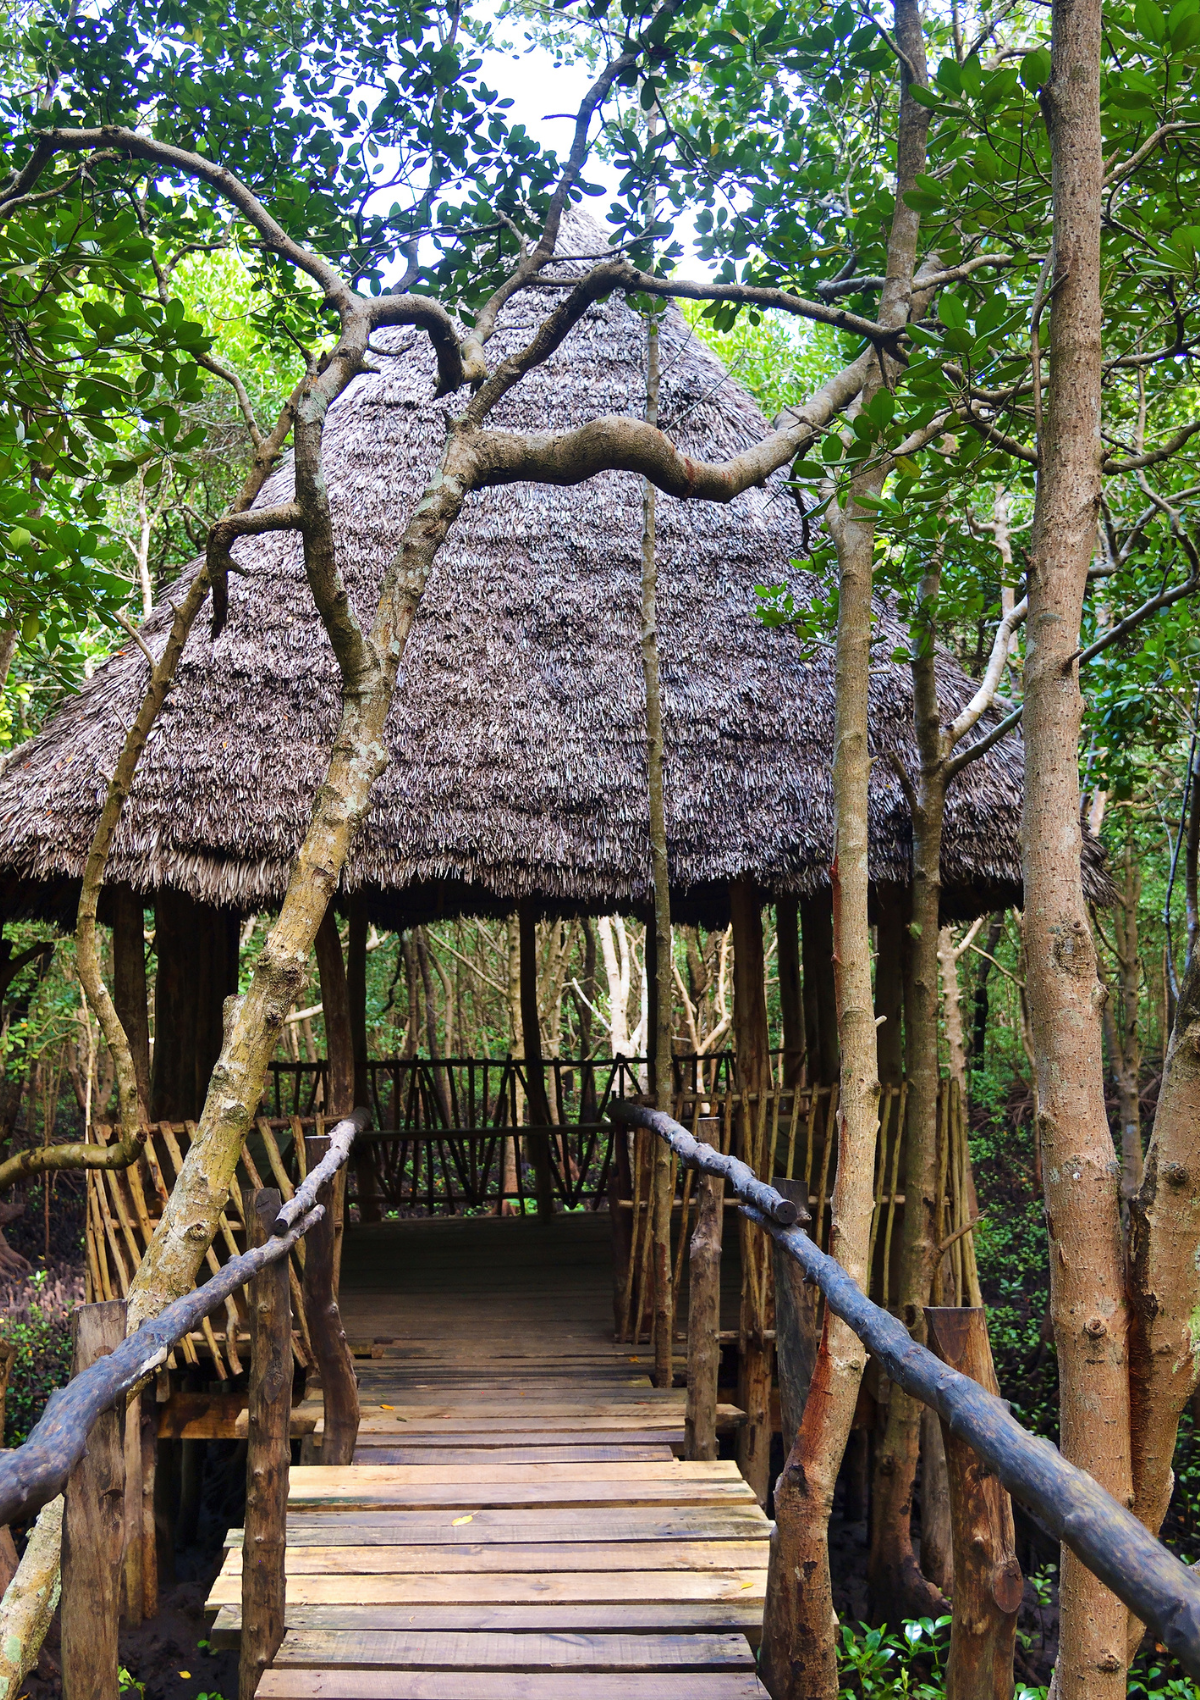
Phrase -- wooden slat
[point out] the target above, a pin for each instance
(538, 1556)
(745, 1521)
(287, 1684)
(495, 1494)
(635, 1453)
(492, 1438)
(666, 1617)
(309, 1479)
(416, 1650)
(566, 1587)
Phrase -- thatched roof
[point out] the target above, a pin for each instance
(517, 736)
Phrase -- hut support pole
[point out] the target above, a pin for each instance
(754, 1074)
(704, 1320)
(339, 1385)
(94, 1527)
(335, 1000)
(535, 1076)
(795, 1322)
(820, 1000)
(356, 987)
(987, 1577)
(268, 1456)
(791, 995)
(129, 987)
(889, 983)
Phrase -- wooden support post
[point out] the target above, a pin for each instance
(356, 989)
(149, 1530)
(197, 951)
(535, 1078)
(795, 1323)
(268, 1456)
(791, 994)
(704, 1320)
(129, 985)
(133, 1607)
(94, 1526)
(335, 1003)
(820, 1003)
(620, 1186)
(335, 1363)
(987, 1577)
(751, 1043)
(892, 907)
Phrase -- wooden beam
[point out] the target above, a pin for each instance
(704, 1321)
(335, 1362)
(791, 994)
(535, 1077)
(892, 906)
(987, 1577)
(94, 1526)
(268, 1455)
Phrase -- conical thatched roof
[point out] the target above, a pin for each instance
(517, 735)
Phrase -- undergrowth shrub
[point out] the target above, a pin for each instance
(37, 1319)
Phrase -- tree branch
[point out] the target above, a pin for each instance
(993, 673)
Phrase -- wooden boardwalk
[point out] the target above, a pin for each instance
(516, 1524)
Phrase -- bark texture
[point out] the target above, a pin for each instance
(1079, 1165)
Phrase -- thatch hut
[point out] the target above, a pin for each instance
(517, 736)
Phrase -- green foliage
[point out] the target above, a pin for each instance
(878, 1665)
(42, 1336)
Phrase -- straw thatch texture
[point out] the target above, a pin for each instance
(517, 736)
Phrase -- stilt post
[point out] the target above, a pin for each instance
(704, 1320)
(335, 1362)
(987, 1577)
(268, 1456)
(795, 1321)
(93, 1538)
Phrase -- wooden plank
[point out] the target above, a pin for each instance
(507, 1685)
(477, 1495)
(533, 1555)
(369, 1477)
(638, 1452)
(489, 1439)
(383, 1649)
(665, 1617)
(414, 1528)
(521, 1588)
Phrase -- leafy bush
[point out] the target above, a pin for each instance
(37, 1320)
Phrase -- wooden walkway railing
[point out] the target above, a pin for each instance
(78, 1445)
(1158, 1587)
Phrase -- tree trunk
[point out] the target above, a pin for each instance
(791, 993)
(335, 1000)
(1079, 1167)
(937, 1546)
(129, 986)
(704, 1319)
(890, 932)
(752, 1047)
(535, 1074)
(356, 990)
(987, 1577)
(1164, 1280)
(898, 1589)
(1121, 1027)
(799, 1653)
(820, 999)
(952, 1009)
(979, 1015)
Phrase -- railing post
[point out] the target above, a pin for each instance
(94, 1526)
(704, 1319)
(335, 1363)
(987, 1577)
(795, 1322)
(264, 1543)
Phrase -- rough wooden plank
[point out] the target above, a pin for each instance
(637, 1453)
(666, 1617)
(521, 1588)
(539, 1556)
(491, 1439)
(506, 1685)
(321, 1649)
(414, 1528)
(308, 1478)
(477, 1495)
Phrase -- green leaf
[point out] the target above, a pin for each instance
(908, 466)
(1035, 68)
(952, 312)
(1150, 21)
(921, 201)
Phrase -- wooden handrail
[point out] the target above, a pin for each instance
(1143, 1573)
(36, 1472)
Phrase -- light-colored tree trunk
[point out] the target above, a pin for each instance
(948, 954)
(1080, 1172)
